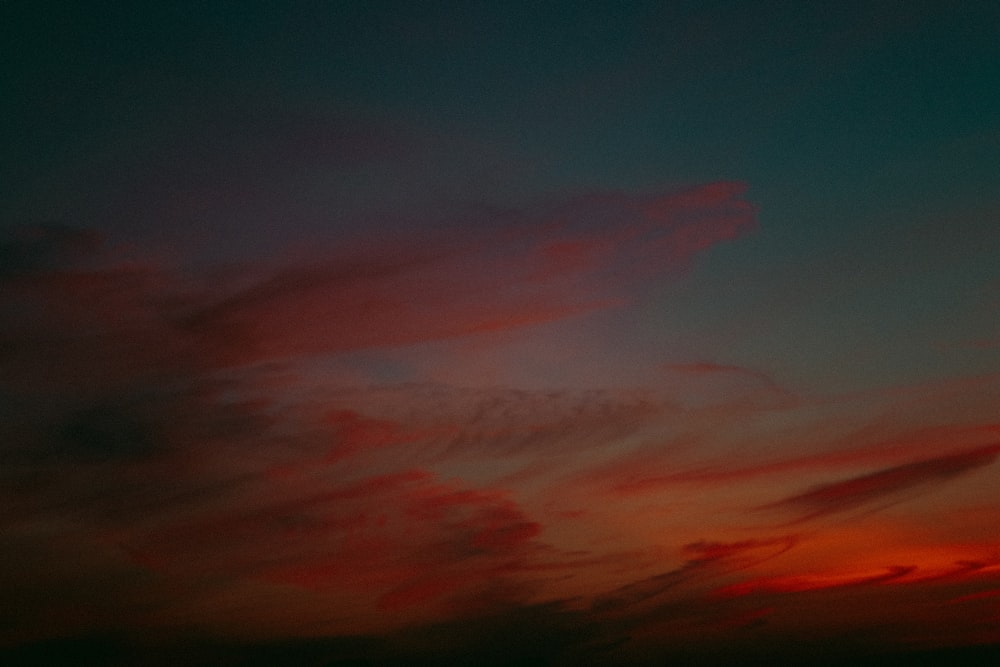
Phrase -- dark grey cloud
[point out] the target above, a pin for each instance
(858, 492)
(706, 559)
(44, 246)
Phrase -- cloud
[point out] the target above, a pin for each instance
(404, 539)
(708, 369)
(706, 559)
(553, 263)
(355, 433)
(147, 420)
(64, 318)
(975, 597)
(942, 568)
(639, 472)
(45, 246)
(113, 359)
(197, 477)
(708, 384)
(503, 423)
(799, 584)
(860, 491)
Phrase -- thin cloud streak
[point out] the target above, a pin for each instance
(629, 477)
(707, 560)
(887, 483)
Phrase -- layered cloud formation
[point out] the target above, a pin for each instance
(181, 450)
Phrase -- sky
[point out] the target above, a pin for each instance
(499, 333)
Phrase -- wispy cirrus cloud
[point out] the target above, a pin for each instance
(706, 560)
(632, 474)
(183, 425)
(136, 406)
(887, 483)
(799, 584)
(541, 265)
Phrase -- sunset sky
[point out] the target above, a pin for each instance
(499, 333)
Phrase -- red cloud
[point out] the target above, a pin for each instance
(705, 552)
(708, 559)
(171, 461)
(419, 592)
(975, 597)
(99, 319)
(401, 538)
(859, 491)
(547, 265)
(630, 476)
(455, 423)
(799, 584)
(356, 433)
(930, 568)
